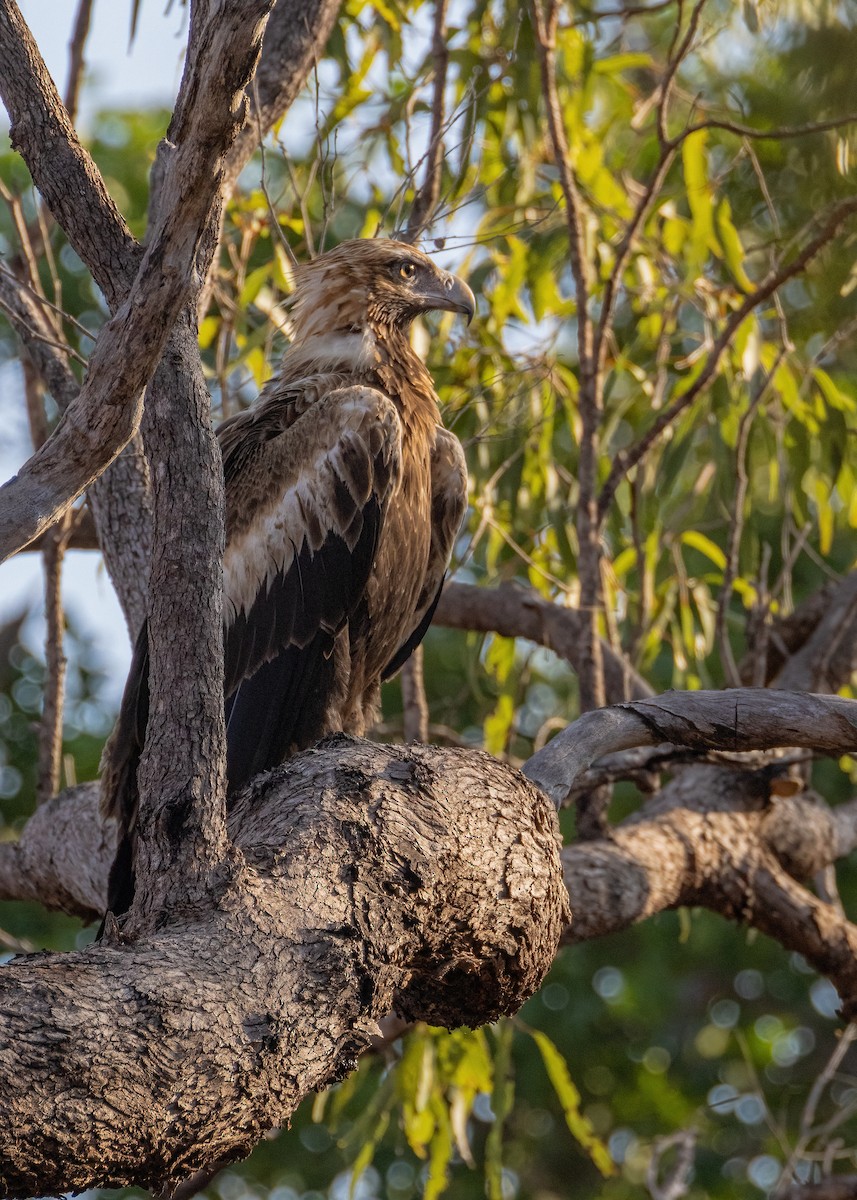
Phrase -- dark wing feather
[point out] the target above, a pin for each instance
(307, 511)
(280, 668)
(121, 758)
(407, 648)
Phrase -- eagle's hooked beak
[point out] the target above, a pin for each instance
(451, 294)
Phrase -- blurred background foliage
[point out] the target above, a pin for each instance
(686, 1024)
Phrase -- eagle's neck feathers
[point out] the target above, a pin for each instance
(370, 353)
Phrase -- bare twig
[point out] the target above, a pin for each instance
(652, 189)
(772, 135)
(414, 703)
(77, 45)
(51, 724)
(428, 194)
(676, 1180)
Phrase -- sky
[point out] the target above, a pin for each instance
(146, 73)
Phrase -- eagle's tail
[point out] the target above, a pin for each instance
(119, 763)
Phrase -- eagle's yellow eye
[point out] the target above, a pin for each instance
(407, 270)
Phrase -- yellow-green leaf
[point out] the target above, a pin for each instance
(698, 541)
(440, 1154)
(730, 242)
(579, 1125)
(498, 724)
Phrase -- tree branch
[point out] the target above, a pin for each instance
(735, 719)
(428, 194)
(107, 411)
(515, 611)
(545, 17)
(415, 711)
(77, 45)
(68, 179)
(704, 848)
(827, 657)
(295, 37)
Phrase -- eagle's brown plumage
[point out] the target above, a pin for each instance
(343, 497)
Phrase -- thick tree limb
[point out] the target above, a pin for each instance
(182, 778)
(62, 857)
(368, 879)
(735, 719)
(70, 183)
(705, 849)
(716, 836)
(515, 611)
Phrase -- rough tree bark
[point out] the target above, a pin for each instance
(363, 879)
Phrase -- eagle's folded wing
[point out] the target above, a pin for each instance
(448, 505)
(304, 514)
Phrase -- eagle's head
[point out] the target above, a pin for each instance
(372, 282)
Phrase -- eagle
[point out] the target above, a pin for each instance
(344, 494)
